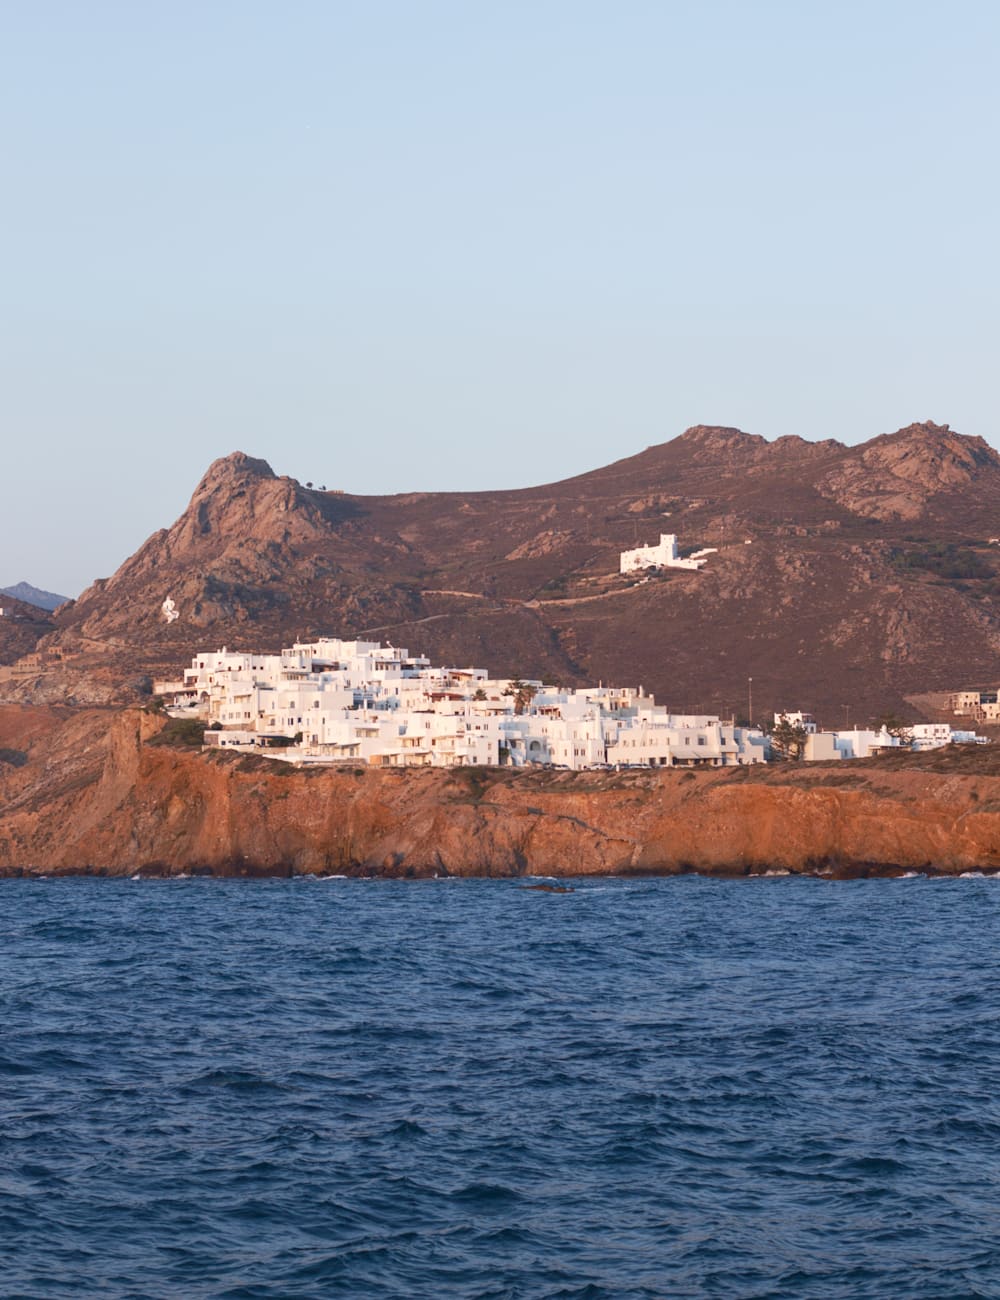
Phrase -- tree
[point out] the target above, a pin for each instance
(894, 725)
(521, 692)
(788, 739)
(479, 694)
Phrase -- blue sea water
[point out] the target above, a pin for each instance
(656, 1088)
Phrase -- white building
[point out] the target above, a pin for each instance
(804, 720)
(333, 701)
(933, 735)
(665, 555)
(358, 701)
(863, 742)
(821, 746)
(655, 738)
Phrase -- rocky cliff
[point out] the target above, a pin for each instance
(90, 790)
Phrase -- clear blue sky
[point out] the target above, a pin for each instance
(419, 245)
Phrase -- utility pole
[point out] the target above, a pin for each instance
(750, 701)
(847, 716)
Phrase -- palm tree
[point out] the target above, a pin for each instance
(521, 692)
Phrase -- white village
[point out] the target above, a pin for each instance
(337, 701)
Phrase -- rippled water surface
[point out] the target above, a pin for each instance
(641, 1088)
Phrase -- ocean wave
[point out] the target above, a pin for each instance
(269, 1092)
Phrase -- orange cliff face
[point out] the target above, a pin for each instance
(84, 791)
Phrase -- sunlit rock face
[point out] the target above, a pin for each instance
(93, 790)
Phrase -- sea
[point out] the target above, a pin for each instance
(771, 1087)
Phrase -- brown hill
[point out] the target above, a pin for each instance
(868, 576)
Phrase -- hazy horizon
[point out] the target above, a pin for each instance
(441, 248)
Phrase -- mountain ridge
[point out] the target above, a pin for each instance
(24, 591)
(827, 585)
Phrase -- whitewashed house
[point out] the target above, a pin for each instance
(863, 742)
(804, 720)
(358, 701)
(665, 555)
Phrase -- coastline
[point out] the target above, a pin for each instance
(834, 873)
(89, 795)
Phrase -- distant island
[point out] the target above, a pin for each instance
(47, 600)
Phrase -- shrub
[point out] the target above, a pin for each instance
(943, 560)
(181, 733)
(283, 742)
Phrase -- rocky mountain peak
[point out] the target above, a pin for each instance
(710, 444)
(896, 474)
(716, 438)
(235, 469)
(931, 455)
(718, 443)
(228, 488)
(238, 496)
(240, 527)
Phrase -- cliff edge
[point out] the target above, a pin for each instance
(86, 791)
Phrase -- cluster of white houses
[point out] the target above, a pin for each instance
(359, 701)
(866, 742)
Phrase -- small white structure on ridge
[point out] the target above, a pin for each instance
(664, 556)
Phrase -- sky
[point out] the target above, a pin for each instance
(394, 246)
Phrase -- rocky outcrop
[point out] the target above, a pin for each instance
(897, 475)
(87, 791)
(234, 539)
